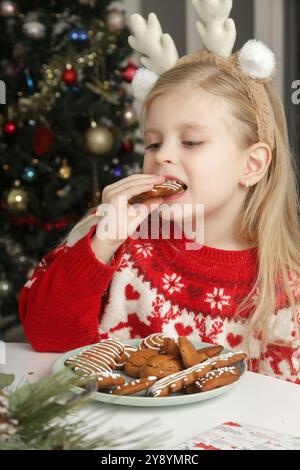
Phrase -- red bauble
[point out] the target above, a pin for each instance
(69, 76)
(10, 128)
(42, 141)
(127, 146)
(129, 72)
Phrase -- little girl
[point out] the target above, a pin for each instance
(242, 288)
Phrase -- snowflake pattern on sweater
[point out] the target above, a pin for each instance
(150, 286)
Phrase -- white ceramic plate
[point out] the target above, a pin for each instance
(141, 399)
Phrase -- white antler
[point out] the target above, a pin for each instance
(158, 49)
(217, 31)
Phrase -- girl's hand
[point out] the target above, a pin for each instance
(126, 217)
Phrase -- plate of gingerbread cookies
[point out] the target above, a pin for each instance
(155, 371)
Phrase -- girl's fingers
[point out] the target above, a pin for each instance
(132, 179)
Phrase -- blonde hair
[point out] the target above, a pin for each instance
(270, 214)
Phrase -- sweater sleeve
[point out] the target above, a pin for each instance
(60, 304)
(281, 356)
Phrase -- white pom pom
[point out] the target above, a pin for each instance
(142, 83)
(257, 60)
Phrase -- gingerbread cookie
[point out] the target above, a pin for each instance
(154, 341)
(210, 351)
(159, 190)
(217, 378)
(175, 382)
(189, 354)
(108, 380)
(101, 357)
(128, 350)
(228, 359)
(137, 360)
(170, 347)
(133, 387)
(161, 366)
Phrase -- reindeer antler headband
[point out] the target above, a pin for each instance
(253, 65)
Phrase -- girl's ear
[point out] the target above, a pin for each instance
(257, 161)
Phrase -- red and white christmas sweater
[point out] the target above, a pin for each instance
(72, 299)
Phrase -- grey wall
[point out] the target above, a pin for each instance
(172, 16)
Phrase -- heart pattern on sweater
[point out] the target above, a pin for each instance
(131, 293)
(183, 330)
(234, 340)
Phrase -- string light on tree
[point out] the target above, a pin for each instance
(129, 116)
(29, 174)
(17, 200)
(6, 289)
(65, 170)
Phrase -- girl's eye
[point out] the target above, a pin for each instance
(189, 143)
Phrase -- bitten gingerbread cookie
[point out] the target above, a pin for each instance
(175, 382)
(160, 190)
(154, 341)
(137, 360)
(101, 357)
(133, 387)
(161, 366)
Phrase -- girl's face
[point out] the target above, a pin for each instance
(186, 137)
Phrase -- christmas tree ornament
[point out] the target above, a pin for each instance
(65, 170)
(17, 200)
(8, 9)
(128, 73)
(34, 30)
(69, 76)
(43, 140)
(99, 140)
(127, 146)
(129, 117)
(10, 128)
(29, 174)
(6, 289)
(8, 426)
(115, 20)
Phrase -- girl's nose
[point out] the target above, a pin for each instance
(165, 155)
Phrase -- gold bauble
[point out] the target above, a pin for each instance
(115, 20)
(99, 140)
(65, 170)
(17, 199)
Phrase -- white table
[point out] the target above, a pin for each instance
(257, 399)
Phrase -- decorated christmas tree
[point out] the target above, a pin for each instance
(69, 126)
